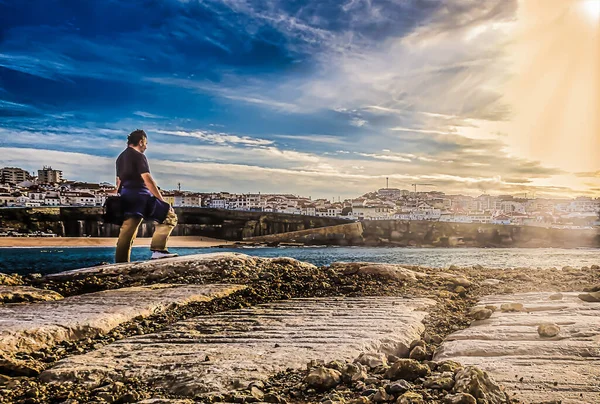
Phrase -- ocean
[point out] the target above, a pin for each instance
(51, 260)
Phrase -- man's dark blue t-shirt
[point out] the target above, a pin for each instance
(131, 164)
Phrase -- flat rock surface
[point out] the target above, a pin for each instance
(22, 294)
(228, 350)
(33, 326)
(507, 345)
(188, 264)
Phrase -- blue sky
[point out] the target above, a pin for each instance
(315, 97)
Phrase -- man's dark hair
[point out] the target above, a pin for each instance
(135, 137)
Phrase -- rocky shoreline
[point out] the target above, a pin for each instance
(376, 378)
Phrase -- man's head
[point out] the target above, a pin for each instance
(138, 140)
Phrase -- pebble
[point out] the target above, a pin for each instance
(419, 353)
(323, 378)
(556, 296)
(407, 369)
(592, 297)
(410, 398)
(511, 307)
(372, 359)
(460, 398)
(548, 330)
(480, 313)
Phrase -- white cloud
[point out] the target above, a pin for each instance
(148, 115)
(218, 138)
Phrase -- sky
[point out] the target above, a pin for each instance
(322, 98)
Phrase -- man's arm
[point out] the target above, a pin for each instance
(151, 185)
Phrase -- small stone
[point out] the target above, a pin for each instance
(460, 398)
(322, 378)
(418, 342)
(592, 297)
(556, 296)
(392, 359)
(491, 282)
(272, 398)
(595, 266)
(460, 290)
(419, 353)
(439, 383)
(410, 397)
(407, 369)
(381, 396)
(372, 380)
(257, 393)
(360, 400)
(449, 366)
(372, 359)
(511, 307)
(353, 372)
(548, 330)
(480, 313)
(461, 281)
(401, 386)
(368, 392)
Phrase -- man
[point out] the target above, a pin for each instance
(141, 198)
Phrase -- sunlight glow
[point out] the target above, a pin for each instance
(591, 8)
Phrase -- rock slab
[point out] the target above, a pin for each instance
(27, 328)
(26, 294)
(565, 367)
(229, 350)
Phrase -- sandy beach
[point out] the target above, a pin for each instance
(179, 241)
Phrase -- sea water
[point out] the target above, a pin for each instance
(51, 260)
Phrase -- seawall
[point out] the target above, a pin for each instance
(216, 223)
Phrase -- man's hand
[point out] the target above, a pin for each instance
(151, 185)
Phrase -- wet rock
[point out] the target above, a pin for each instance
(322, 378)
(480, 313)
(372, 359)
(410, 398)
(592, 297)
(548, 330)
(399, 387)
(460, 398)
(353, 372)
(419, 353)
(407, 369)
(512, 307)
(556, 296)
(477, 383)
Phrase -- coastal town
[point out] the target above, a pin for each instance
(20, 188)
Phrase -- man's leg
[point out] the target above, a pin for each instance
(127, 234)
(163, 231)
